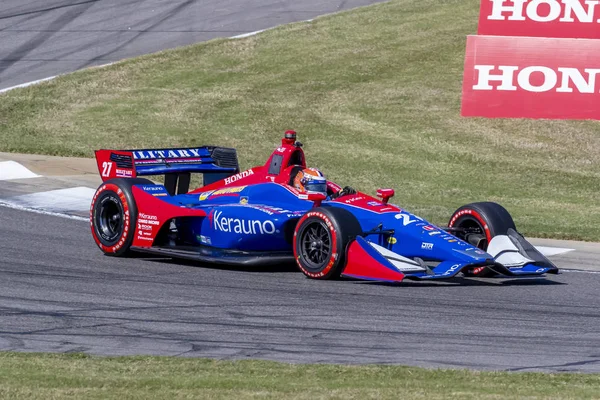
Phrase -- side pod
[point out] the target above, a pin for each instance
(364, 262)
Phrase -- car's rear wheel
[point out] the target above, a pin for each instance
(478, 223)
(113, 215)
(320, 240)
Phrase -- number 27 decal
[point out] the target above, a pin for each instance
(106, 168)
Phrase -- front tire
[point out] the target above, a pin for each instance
(113, 215)
(480, 222)
(320, 240)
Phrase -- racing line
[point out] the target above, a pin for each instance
(59, 293)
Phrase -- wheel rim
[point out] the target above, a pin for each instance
(315, 244)
(475, 233)
(110, 220)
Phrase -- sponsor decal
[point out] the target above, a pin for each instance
(123, 173)
(144, 227)
(148, 219)
(429, 228)
(239, 176)
(528, 77)
(392, 240)
(169, 153)
(542, 18)
(243, 200)
(452, 240)
(374, 203)
(231, 191)
(451, 270)
(153, 188)
(276, 210)
(353, 199)
(243, 226)
(427, 246)
(432, 233)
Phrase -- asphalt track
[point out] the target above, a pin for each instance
(59, 294)
(42, 38)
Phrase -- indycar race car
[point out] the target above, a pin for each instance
(256, 217)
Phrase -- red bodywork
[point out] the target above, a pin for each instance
(153, 213)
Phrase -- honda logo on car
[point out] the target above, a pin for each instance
(536, 79)
(544, 10)
(237, 225)
(239, 176)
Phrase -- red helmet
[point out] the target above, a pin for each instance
(311, 180)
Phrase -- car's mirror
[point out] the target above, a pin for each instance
(385, 194)
(315, 197)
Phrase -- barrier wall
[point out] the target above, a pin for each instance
(534, 59)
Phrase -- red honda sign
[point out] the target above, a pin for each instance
(540, 18)
(525, 77)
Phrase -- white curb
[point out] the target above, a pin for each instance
(14, 170)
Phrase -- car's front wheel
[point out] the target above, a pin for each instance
(477, 224)
(320, 240)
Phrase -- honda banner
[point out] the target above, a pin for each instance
(527, 77)
(540, 18)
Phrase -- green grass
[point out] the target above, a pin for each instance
(374, 94)
(52, 376)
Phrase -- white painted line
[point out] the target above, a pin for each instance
(26, 84)
(35, 210)
(55, 201)
(14, 170)
(552, 251)
(23, 85)
(245, 35)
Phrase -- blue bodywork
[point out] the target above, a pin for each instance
(261, 218)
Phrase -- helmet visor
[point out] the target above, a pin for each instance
(316, 186)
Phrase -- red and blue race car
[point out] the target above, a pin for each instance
(257, 216)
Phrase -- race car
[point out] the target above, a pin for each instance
(257, 217)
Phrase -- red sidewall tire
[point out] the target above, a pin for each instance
(491, 217)
(115, 193)
(342, 228)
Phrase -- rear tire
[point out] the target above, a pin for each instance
(484, 220)
(113, 215)
(320, 240)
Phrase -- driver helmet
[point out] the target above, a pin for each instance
(311, 180)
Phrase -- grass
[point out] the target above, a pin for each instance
(52, 376)
(374, 94)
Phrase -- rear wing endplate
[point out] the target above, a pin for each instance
(175, 164)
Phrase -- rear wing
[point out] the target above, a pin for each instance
(175, 164)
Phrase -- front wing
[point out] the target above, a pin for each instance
(514, 257)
